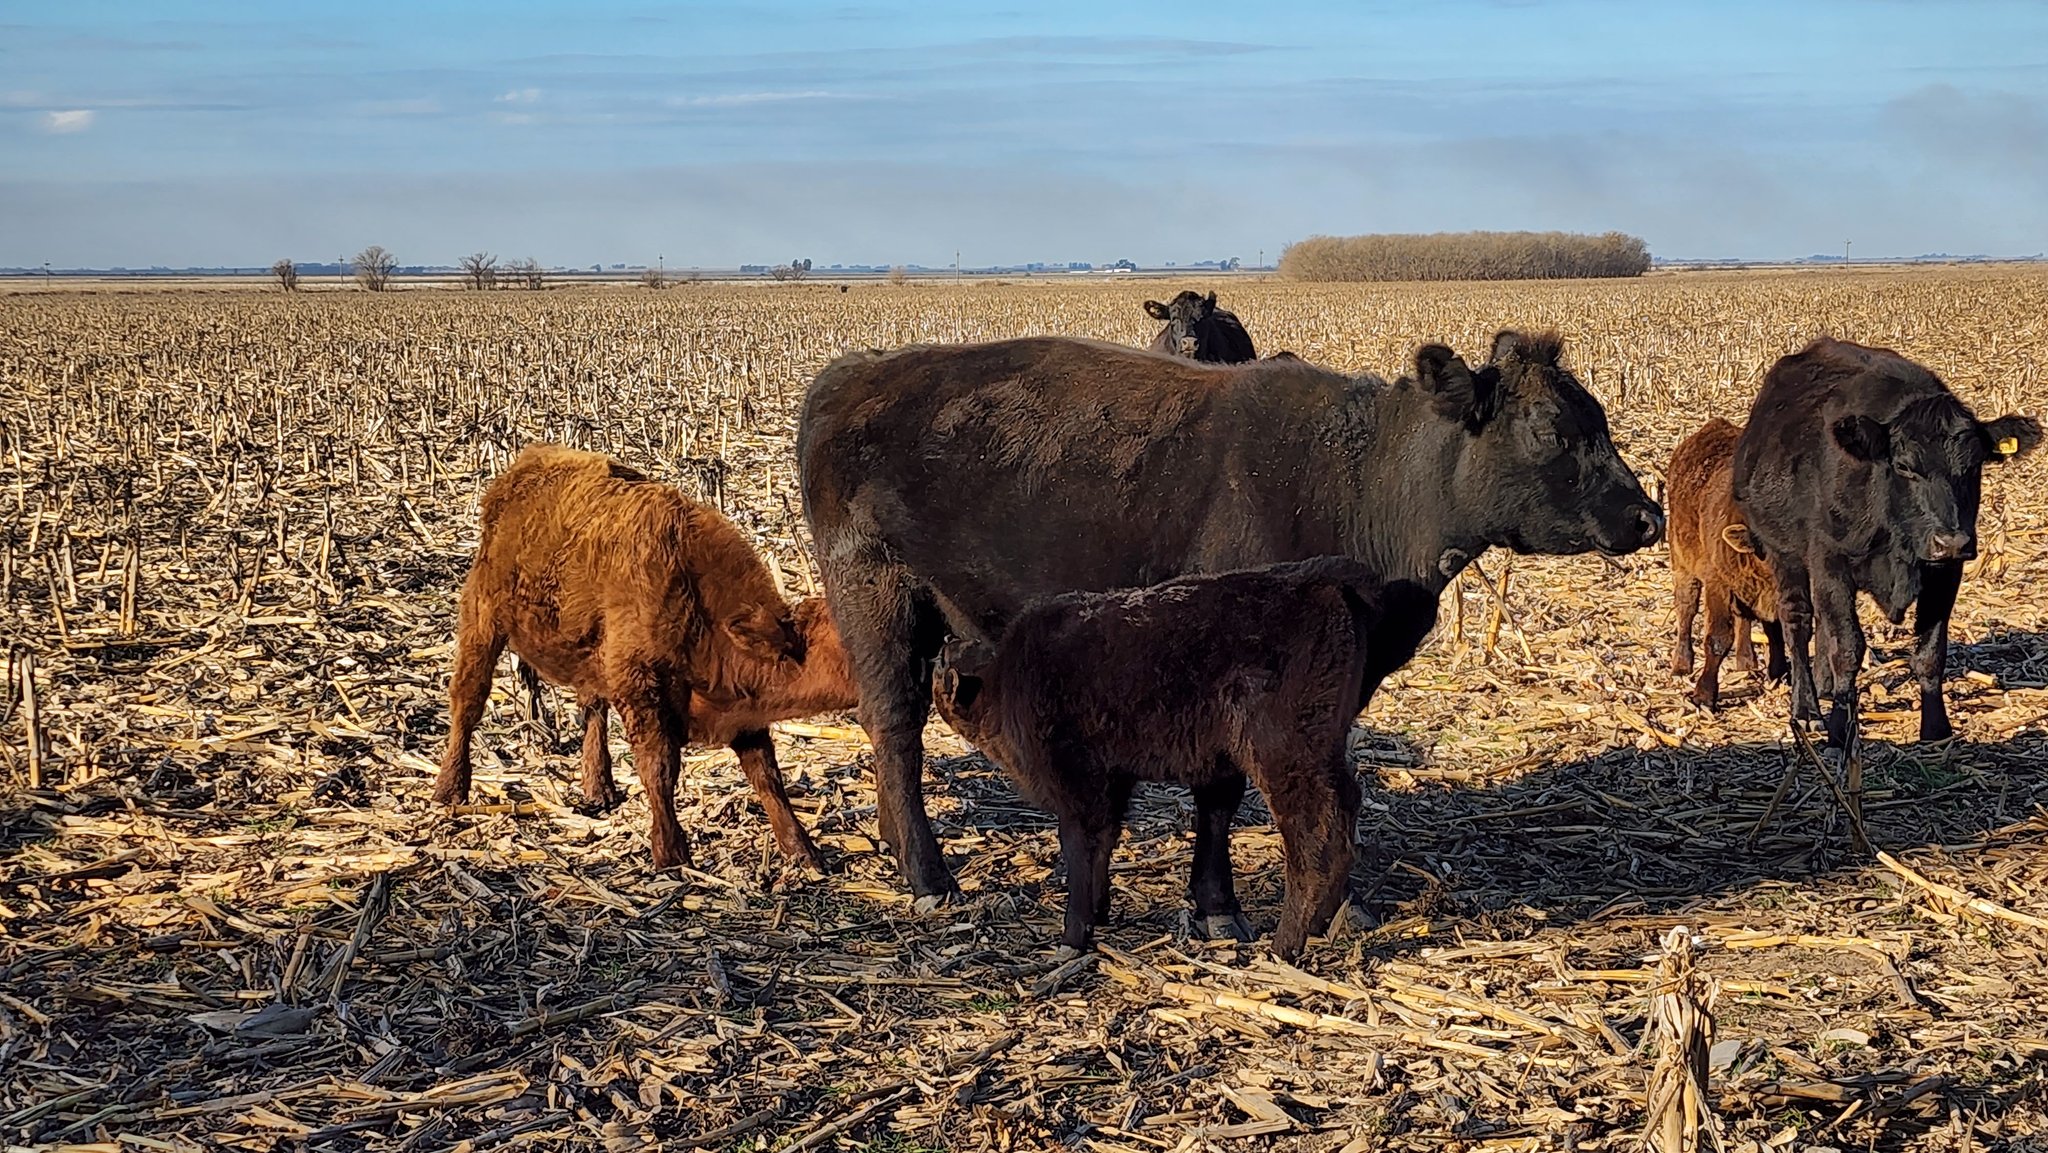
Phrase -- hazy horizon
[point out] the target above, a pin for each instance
(230, 134)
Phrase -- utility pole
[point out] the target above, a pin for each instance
(46, 276)
(1262, 260)
(956, 264)
(1845, 252)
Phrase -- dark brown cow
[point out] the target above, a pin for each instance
(1198, 330)
(1201, 681)
(642, 600)
(948, 486)
(1711, 554)
(1859, 470)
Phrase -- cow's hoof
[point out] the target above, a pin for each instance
(933, 902)
(1224, 927)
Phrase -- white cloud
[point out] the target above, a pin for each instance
(732, 99)
(68, 121)
(521, 96)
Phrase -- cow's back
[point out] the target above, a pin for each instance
(1004, 472)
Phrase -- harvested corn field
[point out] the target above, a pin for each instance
(235, 525)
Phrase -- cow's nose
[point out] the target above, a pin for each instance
(1649, 523)
(1951, 546)
(1187, 346)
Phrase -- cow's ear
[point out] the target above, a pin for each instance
(1737, 537)
(2012, 436)
(760, 634)
(1863, 438)
(1456, 392)
(1156, 310)
(1210, 300)
(962, 666)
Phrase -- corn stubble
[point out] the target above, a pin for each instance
(234, 526)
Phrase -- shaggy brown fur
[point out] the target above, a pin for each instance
(1201, 681)
(1711, 553)
(642, 600)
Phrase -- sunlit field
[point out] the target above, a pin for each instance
(235, 524)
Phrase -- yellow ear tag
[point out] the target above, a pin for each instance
(2009, 446)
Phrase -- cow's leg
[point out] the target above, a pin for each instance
(1774, 639)
(1720, 637)
(1082, 843)
(1685, 594)
(1795, 614)
(1838, 651)
(1119, 804)
(1742, 658)
(657, 730)
(1316, 807)
(891, 630)
(1211, 887)
(1938, 585)
(599, 787)
(477, 648)
(756, 751)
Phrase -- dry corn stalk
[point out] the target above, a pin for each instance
(1680, 1115)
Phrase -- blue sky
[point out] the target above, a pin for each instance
(233, 132)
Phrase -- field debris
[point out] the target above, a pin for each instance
(234, 527)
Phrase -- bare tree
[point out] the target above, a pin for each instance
(287, 275)
(374, 267)
(481, 270)
(654, 278)
(899, 275)
(527, 273)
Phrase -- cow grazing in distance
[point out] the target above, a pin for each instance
(1711, 555)
(1198, 330)
(1202, 681)
(643, 600)
(1859, 470)
(948, 485)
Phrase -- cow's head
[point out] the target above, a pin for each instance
(1925, 469)
(1186, 319)
(1539, 471)
(765, 636)
(1197, 329)
(960, 689)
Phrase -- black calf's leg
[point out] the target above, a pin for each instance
(1795, 615)
(1938, 585)
(1119, 804)
(1211, 887)
(1081, 846)
(1839, 646)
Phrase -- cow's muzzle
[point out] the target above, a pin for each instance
(1951, 546)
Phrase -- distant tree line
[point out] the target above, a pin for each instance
(375, 265)
(1465, 256)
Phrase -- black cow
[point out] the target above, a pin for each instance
(1198, 330)
(1860, 470)
(946, 486)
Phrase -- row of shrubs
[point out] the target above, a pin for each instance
(1465, 256)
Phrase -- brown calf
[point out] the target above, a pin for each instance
(1712, 555)
(1202, 681)
(642, 600)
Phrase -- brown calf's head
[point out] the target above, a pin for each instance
(1539, 468)
(765, 635)
(1924, 470)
